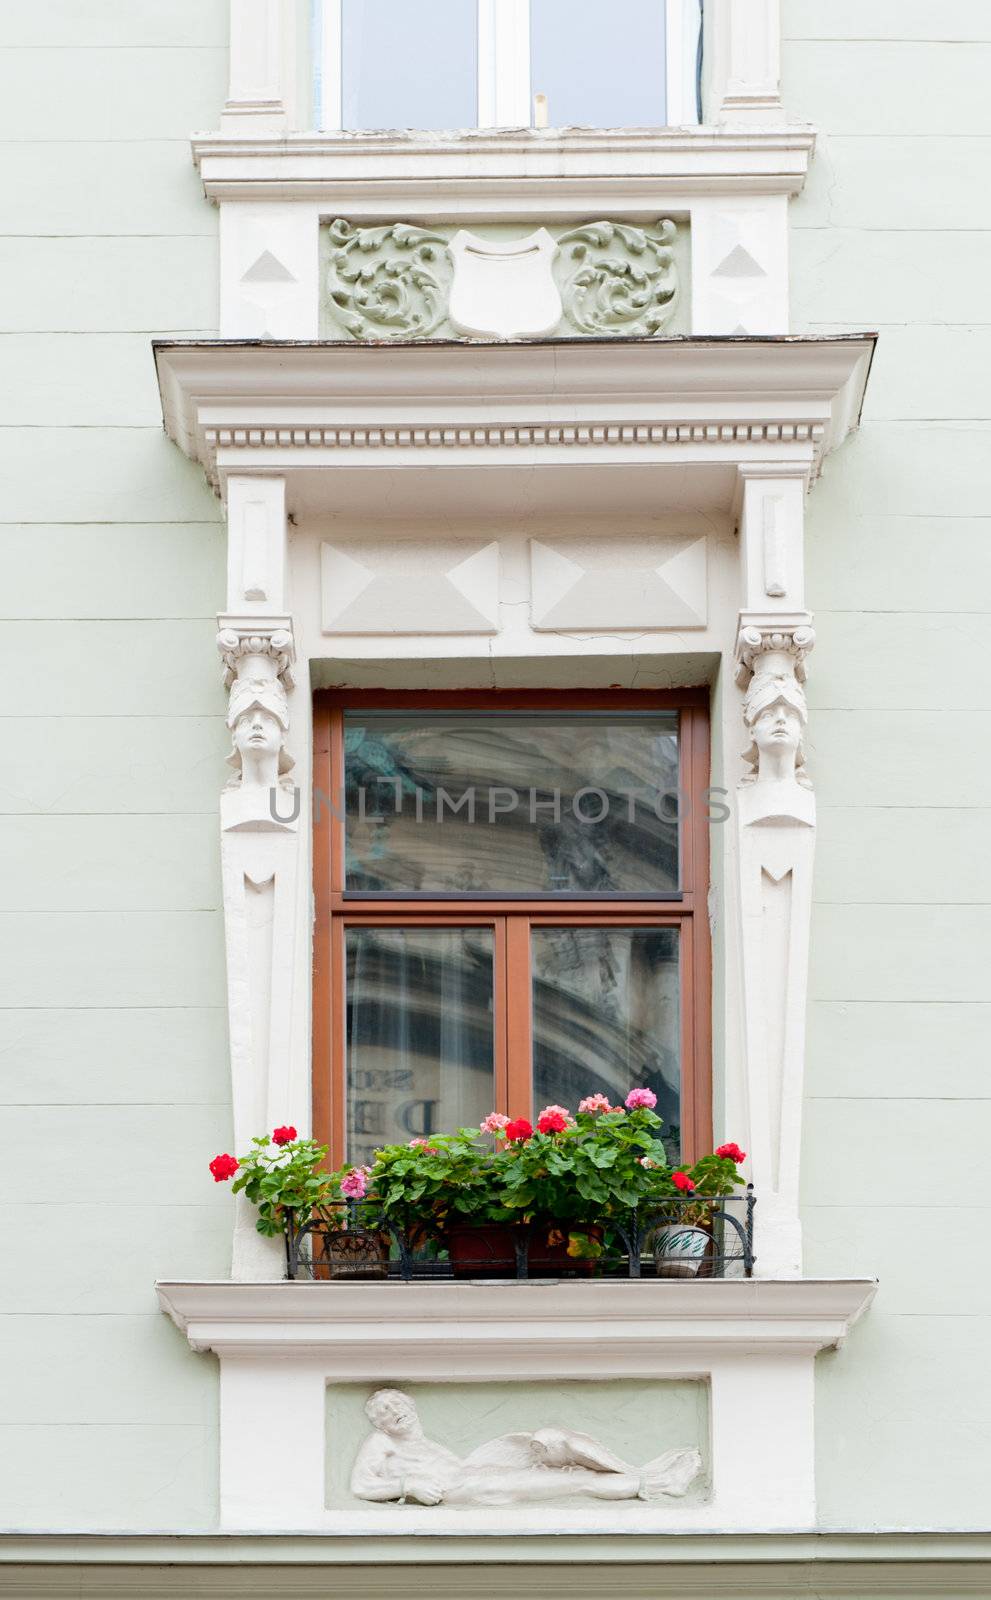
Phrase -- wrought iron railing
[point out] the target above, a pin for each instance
(683, 1237)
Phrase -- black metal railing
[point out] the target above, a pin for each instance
(683, 1237)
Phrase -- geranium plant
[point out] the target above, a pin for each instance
(280, 1173)
(579, 1172)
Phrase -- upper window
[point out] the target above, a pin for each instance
(510, 907)
(505, 63)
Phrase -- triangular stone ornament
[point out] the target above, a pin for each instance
(685, 575)
(342, 581)
(633, 584)
(476, 579)
(739, 264)
(267, 269)
(552, 576)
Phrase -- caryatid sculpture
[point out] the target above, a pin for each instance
(776, 837)
(398, 1462)
(258, 718)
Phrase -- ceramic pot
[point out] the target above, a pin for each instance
(349, 1253)
(683, 1251)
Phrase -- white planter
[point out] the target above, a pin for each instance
(681, 1251)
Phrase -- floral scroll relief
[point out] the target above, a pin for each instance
(390, 282)
(618, 279)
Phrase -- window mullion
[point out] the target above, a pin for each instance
(519, 1020)
(330, 116)
(504, 63)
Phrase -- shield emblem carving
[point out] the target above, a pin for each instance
(504, 290)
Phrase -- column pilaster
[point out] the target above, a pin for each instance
(775, 819)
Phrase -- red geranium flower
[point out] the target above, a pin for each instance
(519, 1131)
(682, 1181)
(731, 1152)
(550, 1122)
(283, 1135)
(223, 1167)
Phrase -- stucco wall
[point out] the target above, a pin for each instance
(112, 1024)
(112, 1029)
(892, 233)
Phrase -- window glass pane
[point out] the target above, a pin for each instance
(409, 63)
(600, 66)
(511, 803)
(419, 1033)
(606, 1012)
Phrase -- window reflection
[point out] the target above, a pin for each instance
(419, 1033)
(516, 803)
(606, 1017)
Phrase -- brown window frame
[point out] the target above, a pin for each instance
(510, 918)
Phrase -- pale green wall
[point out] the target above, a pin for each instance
(893, 233)
(113, 1066)
(112, 1033)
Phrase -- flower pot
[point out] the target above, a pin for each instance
(547, 1250)
(683, 1251)
(349, 1253)
(482, 1250)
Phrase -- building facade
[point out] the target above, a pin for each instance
(565, 410)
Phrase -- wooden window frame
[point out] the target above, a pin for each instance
(511, 919)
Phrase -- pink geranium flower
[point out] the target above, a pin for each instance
(596, 1102)
(495, 1122)
(355, 1185)
(424, 1145)
(559, 1113)
(641, 1097)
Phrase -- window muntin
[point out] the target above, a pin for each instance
(526, 803)
(479, 63)
(632, 989)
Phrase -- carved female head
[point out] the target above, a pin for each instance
(258, 718)
(776, 715)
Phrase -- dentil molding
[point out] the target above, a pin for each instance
(268, 407)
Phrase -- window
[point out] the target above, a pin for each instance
(510, 896)
(504, 63)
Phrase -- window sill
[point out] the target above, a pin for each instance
(520, 1330)
(506, 173)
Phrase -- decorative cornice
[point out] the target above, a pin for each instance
(516, 172)
(263, 405)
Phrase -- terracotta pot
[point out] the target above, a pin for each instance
(349, 1253)
(482, 1250)
(548, 1257)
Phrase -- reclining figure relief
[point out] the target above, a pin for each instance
(397, 1462)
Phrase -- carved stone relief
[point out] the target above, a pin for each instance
(259, 867)
(619, 279)
(397, 1462)
(402, 282)
(388, 283)
(776, 835)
